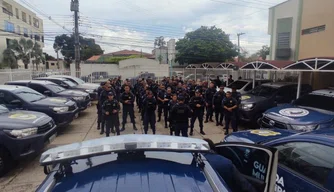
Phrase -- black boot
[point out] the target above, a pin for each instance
(159, 119)
(202, 132)
(98, 126)
(134, 127)
(123, 128)
(112, 131)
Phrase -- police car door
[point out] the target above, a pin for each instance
(258, 164)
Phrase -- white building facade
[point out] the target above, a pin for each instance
(17, 21)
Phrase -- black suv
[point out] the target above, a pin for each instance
(22, 134)
(62, 110)
(53, 90)
(266, 96)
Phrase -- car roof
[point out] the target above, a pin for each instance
(147, 174)
(34, 82)
(55, 78)
(251, 80)
(10, 87)
(324, 92)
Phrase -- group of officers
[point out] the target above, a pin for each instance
(180, 102)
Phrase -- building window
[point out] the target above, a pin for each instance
(42, 38)
(314, 30)
(9, 27)
(31, 35)
(52, 64)
(24, 16)
(36, 23)
(17, 13)
(29, 20)
(37, 37)
(283, 40)
(7, 8)
(25, 32)
(18, 29)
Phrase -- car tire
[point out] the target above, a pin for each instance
(6, 161)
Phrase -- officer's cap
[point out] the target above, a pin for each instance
(180, 98)
(110, 94)
(102, 83)
(197, 91)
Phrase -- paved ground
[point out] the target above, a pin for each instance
(28, 174)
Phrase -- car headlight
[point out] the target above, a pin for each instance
(20, 133)
(60, 109)
(247, 106)
(304, 127)
(89, 90)
(78, 98)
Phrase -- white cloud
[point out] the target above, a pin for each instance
(127, 24)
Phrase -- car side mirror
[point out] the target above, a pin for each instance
(16, 102)
(293, 102)
(64, 85)
(48, 93)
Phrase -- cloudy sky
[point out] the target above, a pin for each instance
(129, 24)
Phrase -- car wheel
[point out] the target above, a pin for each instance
(5, 162)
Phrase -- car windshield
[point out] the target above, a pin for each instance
(55, 88)
(316, 101)
(69, 83)
(263, 91)
(238, 84)
(29, 95)
(3, 109)
(79, 81)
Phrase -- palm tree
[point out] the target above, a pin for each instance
(22, 50)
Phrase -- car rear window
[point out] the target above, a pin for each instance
(316, 101)
(238, 84)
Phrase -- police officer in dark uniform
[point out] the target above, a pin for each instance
(110, 109)
(127, 99)
(179, 116)
(210, 92)
(237, 96)
(197, 105)
(143, 97)
(171, 104)
(98, 106)
(217, 105)
(160, 100)
(167, 98)
(230, 105)
(150, 105)
(102, 99)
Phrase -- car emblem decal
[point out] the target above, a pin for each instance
(265, 133)
(294, 112)
(23, 116)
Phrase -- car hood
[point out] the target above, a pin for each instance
(75, 93)
(17, 119)
(258, 135)
(248, 98)
(88, 86)
(55, 102)
(298, 115)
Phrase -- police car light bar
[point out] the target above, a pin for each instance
(121, 143)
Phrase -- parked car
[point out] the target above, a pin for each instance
(244, 86)
(53, 90)
(61, 110)
(81, 84)
(148, 162)
(67, 84)
(22, 134)
(309, 112)
(305, 160)
(198, 77)
(267, 96)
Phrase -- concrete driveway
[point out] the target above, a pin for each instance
(27, 175)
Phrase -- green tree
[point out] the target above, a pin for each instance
(159, 42)
(160, 58)
(9, 59)
(49, 57)
(263, 52)
(22, 50)
(65, 44)
(206, 44)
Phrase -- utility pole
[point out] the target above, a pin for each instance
(239, 34)
(75, 9)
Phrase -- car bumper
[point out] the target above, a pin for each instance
(29, 146)
(64, 119)
(247, 116)
(84, 104)
(93, 96)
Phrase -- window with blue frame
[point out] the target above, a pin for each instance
(9, 27)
